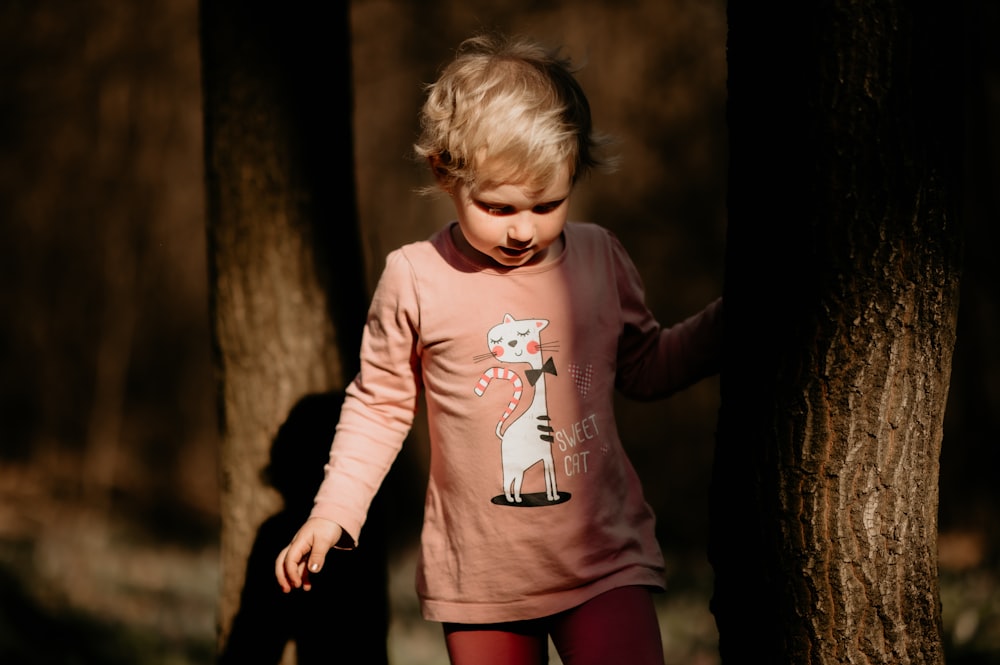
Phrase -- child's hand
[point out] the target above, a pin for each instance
(309, 545)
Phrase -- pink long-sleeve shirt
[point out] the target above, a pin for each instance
(532, 505)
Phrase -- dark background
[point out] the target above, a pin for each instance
(108, 435)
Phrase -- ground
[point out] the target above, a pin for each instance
(81, 586)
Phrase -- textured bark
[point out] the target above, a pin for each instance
(841, 304)
(286, 313)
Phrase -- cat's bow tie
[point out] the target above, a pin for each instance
(532, 374)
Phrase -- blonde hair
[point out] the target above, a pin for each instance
(506, 110)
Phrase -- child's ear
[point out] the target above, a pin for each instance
(438, 168)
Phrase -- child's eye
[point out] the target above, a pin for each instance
(546, 208)
(495, 209)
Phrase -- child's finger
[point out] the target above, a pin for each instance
(316, 560)
(279, 571)
(292, 564)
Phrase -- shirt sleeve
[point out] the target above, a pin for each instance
(379, 403)
(653, 361)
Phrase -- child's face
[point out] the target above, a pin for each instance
(513, 225)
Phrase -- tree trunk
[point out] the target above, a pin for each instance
(842, 276)
(286, 268)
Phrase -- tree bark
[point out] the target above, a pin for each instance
(842, 274)
(287, 277)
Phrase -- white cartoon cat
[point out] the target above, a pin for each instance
(527, 439)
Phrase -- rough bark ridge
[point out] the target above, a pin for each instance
(841, 309)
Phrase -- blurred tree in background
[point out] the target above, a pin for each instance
(106, 372)
(108, 437)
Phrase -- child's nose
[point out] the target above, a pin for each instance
(522, 228)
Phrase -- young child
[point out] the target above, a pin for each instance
(519, 326)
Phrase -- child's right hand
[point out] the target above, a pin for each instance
(309, 546)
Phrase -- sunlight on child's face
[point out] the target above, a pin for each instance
(513, 225)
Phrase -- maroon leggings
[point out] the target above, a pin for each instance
(618, 626)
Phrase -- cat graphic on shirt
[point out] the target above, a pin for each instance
(527, 439)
